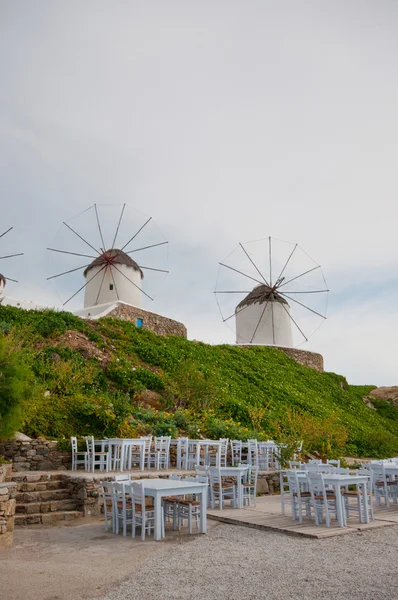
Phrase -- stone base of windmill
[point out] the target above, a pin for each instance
(312, 360)
(140, 317)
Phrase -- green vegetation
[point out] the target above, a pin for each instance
(110, 378)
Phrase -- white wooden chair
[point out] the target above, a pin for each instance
(322, 501)
(357, 506)
(95, 458)
(143, 514)
(76, 456)
(384, 486)
(236, 452)
(122, 507)
(107, 497)
(250, 486)
(160, 456)
(294, 464)
(252, 453)
(298, 497)
(335, 463)
(219, 490)
(188, 508)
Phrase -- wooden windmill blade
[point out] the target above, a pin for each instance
(4, 275)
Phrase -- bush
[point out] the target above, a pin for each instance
(16, 385)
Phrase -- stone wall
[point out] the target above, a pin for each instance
(312, 360)
(35, 455)
(152, 321)
(7, 513)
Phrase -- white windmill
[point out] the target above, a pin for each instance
(112, 276)
(291, 297)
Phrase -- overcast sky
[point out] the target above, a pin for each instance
(225, 121)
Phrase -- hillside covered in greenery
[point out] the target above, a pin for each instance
(109, 378)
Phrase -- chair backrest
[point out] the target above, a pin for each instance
(118, 493)
(293, 482)
(310, 467)
(315, 461)
(89, 443)
(252, 475)
(341, 471)
(369, 473)
(137, 492)
(202, 470)
(73, 443)
(316, 484)
(175, 477)
(252, 451)
(148, 441)
(162, 443)
(236, 451)
(335, 463)
(215, 476)
(294, 464)
(106, 488)
(326, 468)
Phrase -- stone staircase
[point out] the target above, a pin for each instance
(44, 498)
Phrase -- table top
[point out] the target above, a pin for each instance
(170, 484)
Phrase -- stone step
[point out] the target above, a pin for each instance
(46, 507)
(41, 486)
(23, 497)
(32, 476)
(51, 518)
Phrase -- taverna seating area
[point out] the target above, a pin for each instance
(190, 480)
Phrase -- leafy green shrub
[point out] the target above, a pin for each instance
(16, 385)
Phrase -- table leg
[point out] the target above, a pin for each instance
(203, 508)
(365, 502)
(122, 456)
(339, 505)
(158, 517)
(240, 490)
(282, 488)
(142, 458)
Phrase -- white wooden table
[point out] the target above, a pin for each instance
(341, 481)
(122, 447)
(206, 444)
(159, 488)
(239, 473)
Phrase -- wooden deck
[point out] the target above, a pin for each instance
(267, 516)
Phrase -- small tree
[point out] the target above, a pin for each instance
(16, 385)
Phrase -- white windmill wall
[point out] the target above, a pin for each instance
(126, 291)
(248, 318)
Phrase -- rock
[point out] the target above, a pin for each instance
(21, 437)
(386, 393)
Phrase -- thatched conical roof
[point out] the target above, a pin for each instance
(114, 256)
(260, 294)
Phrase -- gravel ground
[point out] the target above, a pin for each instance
(237, 563)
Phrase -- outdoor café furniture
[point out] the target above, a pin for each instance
(220, 490)
(120, 452)
(323, 501)
(78, 458)
(236, 452)
(107, 497)
(188, 508)
(96, 458)
(159, 457)
(250, 486)
(357, 506)
(162, 488)
(219, 457)
(299, 498)
(384, 482)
